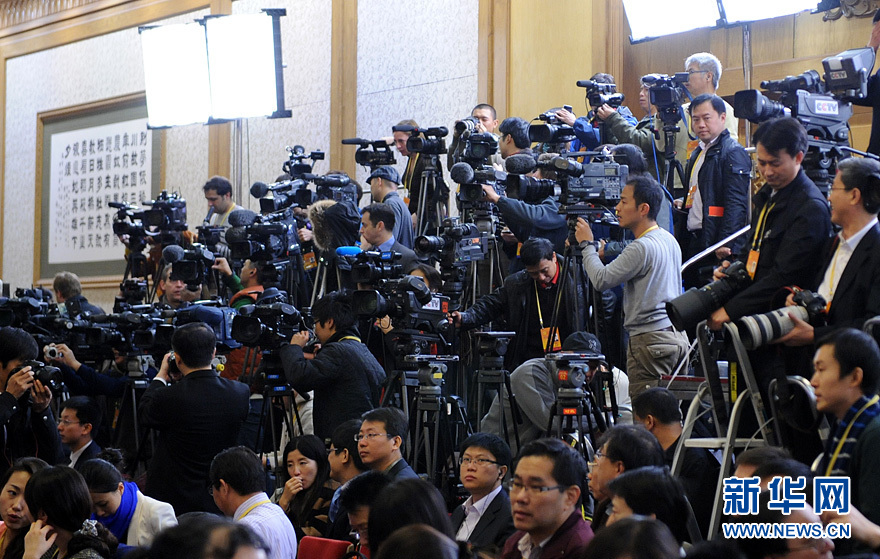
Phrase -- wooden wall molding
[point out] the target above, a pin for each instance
(343, 84)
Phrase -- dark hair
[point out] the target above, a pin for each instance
(659, 402)
(187, 539)
(569, 466)
(394, 420)
(716, 102)
(633, 445)
(854, 348)
(518, 129)
(652, 490)
(62, 495)
(86, 408)
(67, 284)
(632, 156)
(380, 211)
(418, 541)
(194, 344)
(549, 172)
(101, 476)
(491, 442)
(114, 456)
(646, 190)
(343, 437)
(405, 502)
(601, 77)
(535, 249)
(758, 548)
(633, 538)
(335, 306)
(219, 184)
(241, 469)
(363, 490)
(786, 467)
(433, 279)
(15, 343)
(862, 173)
(487, 107)
(238, 535)
(715, 549)
(782, 134)
(312, 448)
(15, 547)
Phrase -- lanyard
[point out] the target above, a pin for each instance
(762, 224)
(648, 230)
(225, 216)
(410, 167)
(538, 301)
(845, 435)
(355, 338)
(252, 507)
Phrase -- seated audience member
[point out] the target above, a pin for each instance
(658, 410)
(772, 547)
(715, 549)
(131, 516)
(484, 518)
(29, 427)
(749, 460)
(621, 448)
(634, 538)
(80, 417)
(68, 292)
(345, 465)
(344, 374)
(14, 511)
(405, 502)
(545, 500)
(206, 536)
(237, 540)
(650, 491)
(357, 500)
(380, 442)
(237, 484)
(58, 499)
(784, 467)
(307, 491)
(419, 541)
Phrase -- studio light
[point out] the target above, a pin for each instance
(649, 19)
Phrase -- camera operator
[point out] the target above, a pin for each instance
(790, 223)
(68, 292)
(246, 287)
(415, 165)
(851, 261)
(718, 180)
(82, 379)
(344, 374)
(334, 224)
(649, 269)
(29, 428)
(218, 193)
(377, 222)
(535, 388)
(383, 183)
(514, 137)
(486, 120)
(525, 303)
(873, 98)
(587, 129)
(173, 290)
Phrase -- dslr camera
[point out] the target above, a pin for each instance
(695, 305)
(761, 329)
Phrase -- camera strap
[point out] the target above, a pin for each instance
(845, 436)
(755, 252)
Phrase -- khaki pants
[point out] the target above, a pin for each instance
(651, 355)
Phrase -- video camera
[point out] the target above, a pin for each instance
(408, 302)
(163, 221)
(588, 190)
(457, 245)
(553, 130)
(188, 265)
(296, 164)
(380, 155)
(269, 324)
(268, 237)
(371, 266)
(428, 141)
(667, 94)
(600, 94)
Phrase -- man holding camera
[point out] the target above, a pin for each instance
(29, 427)
(588, 129)
(383, 183)
(649, 270)
(218, 193)
(415, 166)
(514, 137)
(377, 222)
(484, 120)
(344, 374)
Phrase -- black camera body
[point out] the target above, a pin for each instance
(408, 302)
(379, 155)
(269, 324)
(427, 141)
(296, 164)
(48, 375)
(571, 369)
(478, 148)
(372, 266)
(695, 305)
(551, 130)
(666, 94)
(458, 244)
(271, 237)
(165, 219)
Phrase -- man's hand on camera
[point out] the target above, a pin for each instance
(65, 356)
(566, 116)
(604, 112)
(489, 194)
(40, 397)
(222, 266)
(722, 253)
(455, 317)
(20, 382)
(718, 319)
(719, 271)
(802, 333)
(301, 338)
(305, 235)
(163, 373)
(582, 231)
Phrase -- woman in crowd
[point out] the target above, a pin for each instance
(13, 509)
(308, 489)
(405, 502)
(58, 498)
(651, 492)
(131, 516)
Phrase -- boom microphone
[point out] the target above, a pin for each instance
(242, 217)
(172, 254)
(462, 173)
(520, 164)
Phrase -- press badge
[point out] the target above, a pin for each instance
(545, 335)
(752, 263)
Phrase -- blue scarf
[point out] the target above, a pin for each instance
(119, 521)
(840, 447)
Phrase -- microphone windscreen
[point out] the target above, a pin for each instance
(462, 173)
(259, 189)
(172, 254)
(520, 164)
(242, 217)
(348, 251)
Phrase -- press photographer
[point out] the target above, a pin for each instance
(601, 93)
(483, 120)
(245, 286)
(514, 137)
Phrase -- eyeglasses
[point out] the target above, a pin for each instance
(534, 490)
(334, 451)
(467, 461)
(371, 436)
(67, 422)
(595, 462)
(697, 72)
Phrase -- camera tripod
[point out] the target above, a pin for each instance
(432, 191)
(492, 374)
(570, 406)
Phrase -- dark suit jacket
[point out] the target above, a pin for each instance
(857, 297)
(402, 470)
(408, 259)
(91, 451)
(494, 527)
(196, 418)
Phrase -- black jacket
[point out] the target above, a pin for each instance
(797, 228)
(857, 297)
(196, 418)
(494, 526)
(724, 184)
(26, 433)
(81, 303)
(535, 220)
(402, 470)
(344, 374)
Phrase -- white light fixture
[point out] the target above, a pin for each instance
(740, 11)
(649, 19)
(176, 74)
